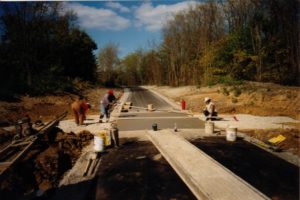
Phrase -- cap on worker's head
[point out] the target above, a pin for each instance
(206, 99)
(110, 92)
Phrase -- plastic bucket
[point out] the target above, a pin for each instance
(209, 127)
(154, 127)
(150, 107)
(106, 137)
(231, 133)
(98, 144)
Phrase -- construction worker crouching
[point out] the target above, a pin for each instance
(79, 108)
(210, 109)
(105, 104)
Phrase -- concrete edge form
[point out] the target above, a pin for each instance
(169, 101)
(205, 177)
(117, 110)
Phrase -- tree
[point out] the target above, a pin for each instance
(41, 48)
(107, 63)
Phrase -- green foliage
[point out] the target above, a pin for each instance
(225, 80)
(42, 54)
(225, 91)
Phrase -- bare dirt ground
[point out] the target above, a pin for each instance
(49, 106)
(46, 108)
(138, 171)
(44, 166)
(262, 99)
(255, 99)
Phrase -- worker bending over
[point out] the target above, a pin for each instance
(105, 104)
(79, 108)
(210, 109)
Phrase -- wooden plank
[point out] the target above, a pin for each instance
(205, 177)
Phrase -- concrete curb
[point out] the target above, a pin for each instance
(168, 100)
(117, 110)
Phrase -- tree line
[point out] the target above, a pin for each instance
(42, 49)
(216, 42)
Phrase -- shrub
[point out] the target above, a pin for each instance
(225, 91)
(237, 91)
(234, 100)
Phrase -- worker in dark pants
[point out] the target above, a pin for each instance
(210, 109)
(105, 104)
(79, 108)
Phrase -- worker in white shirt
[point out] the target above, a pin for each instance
(209, 111)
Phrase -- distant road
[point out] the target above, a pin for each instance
(141, 97)
(141, 119)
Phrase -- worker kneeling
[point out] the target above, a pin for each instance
(210, 109)
(79, 108)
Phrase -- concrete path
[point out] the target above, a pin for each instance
(246, 121)
(166, 114)
(206, 178)
(91, 124)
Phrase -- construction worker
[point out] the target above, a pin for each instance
(79, 108)
(105, 104)
(210, 109)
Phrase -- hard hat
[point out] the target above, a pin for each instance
(206, 99)
(110, 92)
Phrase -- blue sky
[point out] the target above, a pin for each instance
(130, 24)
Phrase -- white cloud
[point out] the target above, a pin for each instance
(99, 18)
(153, 18)
(117, 6)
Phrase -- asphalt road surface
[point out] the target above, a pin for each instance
(164, 115)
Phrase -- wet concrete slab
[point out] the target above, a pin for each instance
(141, 98)
(162, 123)
(151, 114)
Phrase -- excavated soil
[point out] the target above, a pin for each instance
(138, 171)
(291, 143)
(44, 165)
(261, 99)
(47, 107)
(271, 175)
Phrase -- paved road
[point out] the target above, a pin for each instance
(165, 116)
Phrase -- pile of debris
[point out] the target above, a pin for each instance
(44, 166)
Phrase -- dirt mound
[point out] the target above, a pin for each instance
(138, 171)
(262, 99)
(46, 107)
(5, 136)
(44, 165)
(291, 143)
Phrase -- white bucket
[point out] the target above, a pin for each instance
(209, 127)
(150, 107)
(98, 144)
(231, 133)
